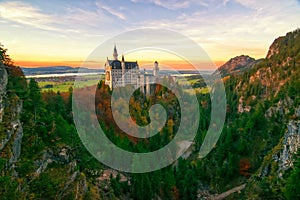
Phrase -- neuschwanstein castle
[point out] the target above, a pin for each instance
(121, 73)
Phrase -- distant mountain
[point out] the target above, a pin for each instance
(237, 64)
(56, 70)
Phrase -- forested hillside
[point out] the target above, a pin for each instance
(42, 157)
(261, 138)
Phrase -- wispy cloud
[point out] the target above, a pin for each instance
(172, 4)
(223, 27)
(234, 26)
(113, 11)
(73, 19)
(75, 16)
(23, 13)
(179, 4)
(168, 4)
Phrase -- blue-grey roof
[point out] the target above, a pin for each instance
(116, 64)
(131, 65)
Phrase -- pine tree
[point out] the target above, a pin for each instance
(35, 96)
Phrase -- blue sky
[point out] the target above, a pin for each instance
(45, 32)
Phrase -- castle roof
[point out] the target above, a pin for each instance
(131, 65)
(116, 64)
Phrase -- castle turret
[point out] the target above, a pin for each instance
(115, 54)
(123, 66)
(155, 69)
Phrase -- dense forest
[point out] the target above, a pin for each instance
(42, 156)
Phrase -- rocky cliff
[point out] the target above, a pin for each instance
(11, 128)
(3, 83)
(41, 155)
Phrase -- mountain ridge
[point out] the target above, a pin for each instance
(237, 65)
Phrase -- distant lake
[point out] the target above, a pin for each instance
(184, 75)
(63, 75)
(163, 72)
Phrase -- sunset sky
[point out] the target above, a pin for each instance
(61, 32)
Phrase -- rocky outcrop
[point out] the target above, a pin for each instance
(81, 186)
(62, 157)
(281, 108)
(16, 146)
(3, 83)
(274, 48)
(241, 107)
(282, 157)
(284, 153)
(43, 163)
(237, 64)
(79, 180)
(12, 131)
(283, 43)
(107, 173)
(276, 163)
(297, 113)
(290, 146)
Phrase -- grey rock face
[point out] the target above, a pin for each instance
(13, 130)
(282, 108)
(16, 147)
(62, 157)
(298, 111)
(291, 144)
(3, 83)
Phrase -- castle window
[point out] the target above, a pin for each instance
(107, 76)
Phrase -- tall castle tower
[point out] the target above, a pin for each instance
(115, 54)
(155, 69)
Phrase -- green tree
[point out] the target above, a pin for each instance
(4, 57)
(291, 190)
(35, 96)
(141, 187)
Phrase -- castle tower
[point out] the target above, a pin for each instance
(123, 69)
(155, 69)
(108, 74)
(115, 54)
